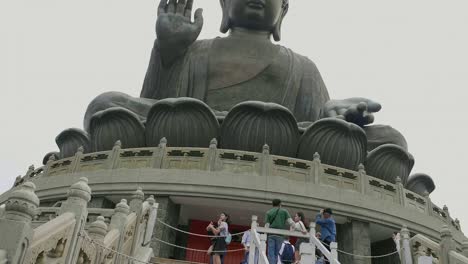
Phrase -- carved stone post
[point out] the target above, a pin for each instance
(400, 190)
(464, 248)
(118, 221)
(447, 215)
(363, 178)
(76, 159)
(153, 215)
(406, 257)
(15, 227)
(112, 161)
(428, 203)
(136, 206)
(308, 249)
(266, 161)
(317, 169)
(158, 154)
(212, 155)
(97, 231)
(334, 252)
(79, 195)
(49, 164)
(446, 244)
(253, 246)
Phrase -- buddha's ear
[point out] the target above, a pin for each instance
(277, 29)
(225, 22)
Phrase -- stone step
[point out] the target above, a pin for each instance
(159, 260)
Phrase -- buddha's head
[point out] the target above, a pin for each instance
(261, 15)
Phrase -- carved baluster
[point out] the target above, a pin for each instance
(49, 164)
(334, 252)
(308, 249)
(3, 256)
(429, 205)
(118, 222)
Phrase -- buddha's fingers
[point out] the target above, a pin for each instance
(162, 7)
(181, 7)
(171, 6)
(198, 19)
(188, 8)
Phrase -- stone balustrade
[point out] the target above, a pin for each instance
(422, 250)
(243, 162)
(63, 238)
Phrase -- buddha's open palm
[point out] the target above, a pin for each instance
(355, 110)
(174, 28)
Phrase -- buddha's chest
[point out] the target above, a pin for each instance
(241, 71)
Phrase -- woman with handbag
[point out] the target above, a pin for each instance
(219, 244)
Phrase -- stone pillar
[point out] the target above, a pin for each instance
(168, 212)
(406, 257)
(446, 244)
(97, 231)
(79, 195)
(354, 237)
(3, 257)
(15, 227)
(136, 206)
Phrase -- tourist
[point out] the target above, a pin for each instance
(246, 242)
(276, 217)
(286, 253)
(219, 245)
(327, 227)
(299, 226)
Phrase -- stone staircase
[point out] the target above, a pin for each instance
(158, 260)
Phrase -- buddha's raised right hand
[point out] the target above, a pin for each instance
(174, 29)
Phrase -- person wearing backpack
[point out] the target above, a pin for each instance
(277, 218)
(286, 253)
(222, 239)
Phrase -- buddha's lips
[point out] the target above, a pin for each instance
(256, 4)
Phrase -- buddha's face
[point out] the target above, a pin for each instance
(254, 14)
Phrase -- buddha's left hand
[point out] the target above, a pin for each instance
(356, 110)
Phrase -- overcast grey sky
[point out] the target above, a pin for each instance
(411, 56)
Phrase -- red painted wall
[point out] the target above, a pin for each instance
(203, 243)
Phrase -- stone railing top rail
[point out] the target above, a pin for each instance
(237, 161)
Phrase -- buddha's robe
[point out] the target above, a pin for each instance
(226, 71)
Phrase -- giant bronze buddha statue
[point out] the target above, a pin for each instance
(242, 89)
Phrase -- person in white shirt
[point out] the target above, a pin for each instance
(299, 226)
(246, 240)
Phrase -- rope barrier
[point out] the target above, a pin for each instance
(195, 234)
(362, 256)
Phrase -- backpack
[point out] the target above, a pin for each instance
(287, 256)
(228, 238)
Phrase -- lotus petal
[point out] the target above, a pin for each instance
(70, 140)
(420, 183)
(184, 122)
(113, 124)
(389, 161)
(252, 124)
(338, 142)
